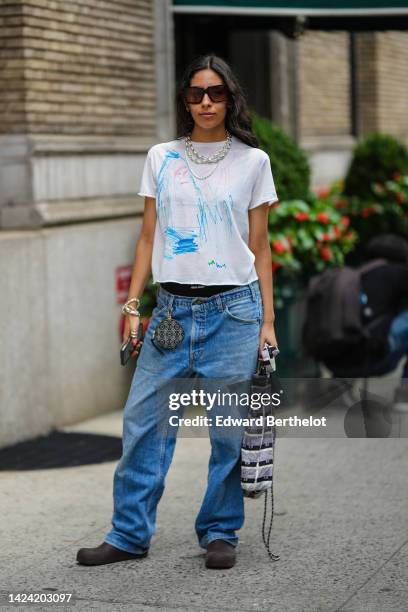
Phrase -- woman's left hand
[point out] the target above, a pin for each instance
(267, 334)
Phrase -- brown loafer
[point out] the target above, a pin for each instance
(105, 553)
(220, 555)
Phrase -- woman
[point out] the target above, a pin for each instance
(204, 237)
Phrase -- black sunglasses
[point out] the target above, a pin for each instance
(216, 93)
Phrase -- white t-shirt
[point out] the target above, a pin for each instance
(202, 226)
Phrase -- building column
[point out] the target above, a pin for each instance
(367, 83)
(283, 52)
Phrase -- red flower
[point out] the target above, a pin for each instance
(323, 192)
(397, 175)
(340, 203)
(400, 198)
(275, 265)
(337, 231)
(345, 221)
(379, 187)
(301, 216)
(278, 246)
(323, 217)
(326, 236)
(367, 211)
(349, 235)
(325, 253)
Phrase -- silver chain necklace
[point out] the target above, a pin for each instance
(215, 158)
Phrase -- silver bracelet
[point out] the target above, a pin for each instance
(134, 299)
(127, 309)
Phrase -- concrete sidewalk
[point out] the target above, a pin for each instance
(340, 528)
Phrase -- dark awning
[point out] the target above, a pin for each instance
(292, 7)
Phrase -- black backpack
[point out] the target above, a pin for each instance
(335, 327)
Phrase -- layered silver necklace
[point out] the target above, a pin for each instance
(198, 158)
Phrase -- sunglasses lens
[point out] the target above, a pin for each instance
(194, 95)
(217, 93)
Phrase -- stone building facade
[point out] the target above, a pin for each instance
(78, 108)
(326, 128)
(382, 66)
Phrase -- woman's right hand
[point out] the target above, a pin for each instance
(132, 324)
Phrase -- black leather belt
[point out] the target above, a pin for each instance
(196, 290)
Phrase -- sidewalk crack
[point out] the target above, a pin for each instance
(354, 593)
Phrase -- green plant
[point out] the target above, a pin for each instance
(290, 165)
(307, 237)
(386, 211)
(375, 160)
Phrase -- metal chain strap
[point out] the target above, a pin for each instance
(266, 539)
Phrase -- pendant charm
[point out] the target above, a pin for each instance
(168, 333)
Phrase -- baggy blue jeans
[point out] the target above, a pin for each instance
(221, 341)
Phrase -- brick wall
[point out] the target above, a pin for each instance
(382, 82)
(77, 67)
(392, 95)
(324, 84)
(12, 109)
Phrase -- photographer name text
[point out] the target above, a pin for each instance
(230, 421)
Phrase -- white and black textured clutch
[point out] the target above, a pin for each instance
(168, 334)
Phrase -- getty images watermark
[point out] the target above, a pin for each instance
(300, 407)
(255, 401)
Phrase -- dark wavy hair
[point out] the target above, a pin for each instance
(237, 120)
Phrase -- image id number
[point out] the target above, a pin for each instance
(39, 597)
